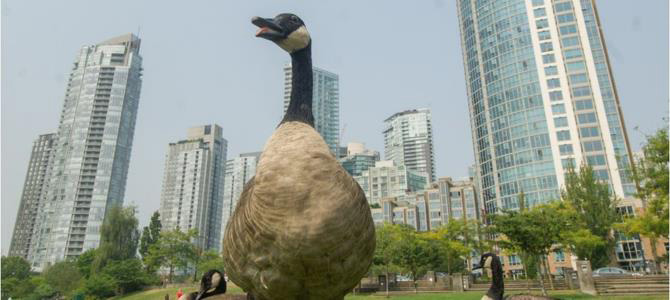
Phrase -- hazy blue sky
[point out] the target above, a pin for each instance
(202, 64)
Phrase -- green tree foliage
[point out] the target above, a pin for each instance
(150, 234)
(100, 286)
(85, 262)
(652, 174)
(452, 243)
(387, 241)
(595, 209)
(209, 260)
(14, 267)
(127, 274)
(412, 253)
(173, 250)
(118, 236)
(63, 276)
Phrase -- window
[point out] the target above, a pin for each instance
(569, 17)
(583, 104)
(568, 163)
(578, 78)
(544, 35)
(563, 135)
(548, 58)
(563, 6)
(556, 96)
(568, 29)
(565, 149)
(553, 83)
(570, 41)
(558, 109)
(538, 2)
(576, 66)
(561, 122)
(593, 146)
(586, 118)
(514, 260)
(572, 53)
(546, 47)
(539, 12)
(601, 174)
(559, 256)
(551, 70)
(589, 132)
(541, 24)
(581, 91)
(595, 160)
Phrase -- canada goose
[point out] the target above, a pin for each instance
(211, 284)
(497, 289)
(302, 228)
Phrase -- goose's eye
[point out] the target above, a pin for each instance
(294, 18)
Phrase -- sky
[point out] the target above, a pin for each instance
(202, 64)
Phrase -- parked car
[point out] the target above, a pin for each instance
(612, 271)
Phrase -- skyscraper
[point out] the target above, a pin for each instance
(92, 149)
(387, 179)
(357, 159)
(34, 193)
(541, 98)
(325, 104)
(408, 141)
(192, 195)
(239, 171)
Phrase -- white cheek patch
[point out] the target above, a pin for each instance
(216, 279)
(297, 40)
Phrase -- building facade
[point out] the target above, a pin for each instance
(192, 194)
(541, 99)
(325, 104)
(92, 149)
(408, 141)
(34, 193)
(386, 179)
(239, 171)
(358, 159)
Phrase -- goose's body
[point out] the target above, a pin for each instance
(302, 228)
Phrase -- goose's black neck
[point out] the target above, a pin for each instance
(497, 288)
(300, 106)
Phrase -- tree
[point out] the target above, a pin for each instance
(652, 174)
(453, 242)
(595, 209)
(15, 267)
(174, 249)
(63, 276)
(85, 262)
(532, 231)
(209, 260)
(100, 286)
(118, 236)
(128, 275)
(412, 253)
(150, 234)
(387, 240)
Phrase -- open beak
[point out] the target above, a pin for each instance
(268, 29)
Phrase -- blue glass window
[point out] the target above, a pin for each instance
(568, 163)
(563, 6)
(569, 17)
(563, 135)
(593, 146)
(578, 78)
(572, 53)
(553, 83)
(595, 160)
(556, 96)
(544, 35)
(558, 109)
(568, 29)
(586, 118)
(581, 91)
(551, 70)
(589, 132)
(583, 104)
(576, 66)
(601, 174)
(541, 24)
(538, 2)
(539, 12)
(561, 122)
(570, 41)
(548, 58)
(565, 149)
(546, 47)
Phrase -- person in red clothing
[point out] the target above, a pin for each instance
(179, 293)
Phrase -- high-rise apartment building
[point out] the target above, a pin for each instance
(325, 104)
(357, 159)
(192, 194)
(408, 141)
(541, 98)
(239, 171)
(34, 193)
(387, 179)
(91, 151)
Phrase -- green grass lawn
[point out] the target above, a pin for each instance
(159, 294)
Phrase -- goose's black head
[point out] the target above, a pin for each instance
(212, 283)
(288, 31)
(485, 261)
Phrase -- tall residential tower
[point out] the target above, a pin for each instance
(325, 104)
(192, 195)
(91, 150)
(541, 97)
(408, 141)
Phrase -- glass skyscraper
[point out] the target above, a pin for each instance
(325, 104)
(408, 141)
(91, 151)
(541, 97)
